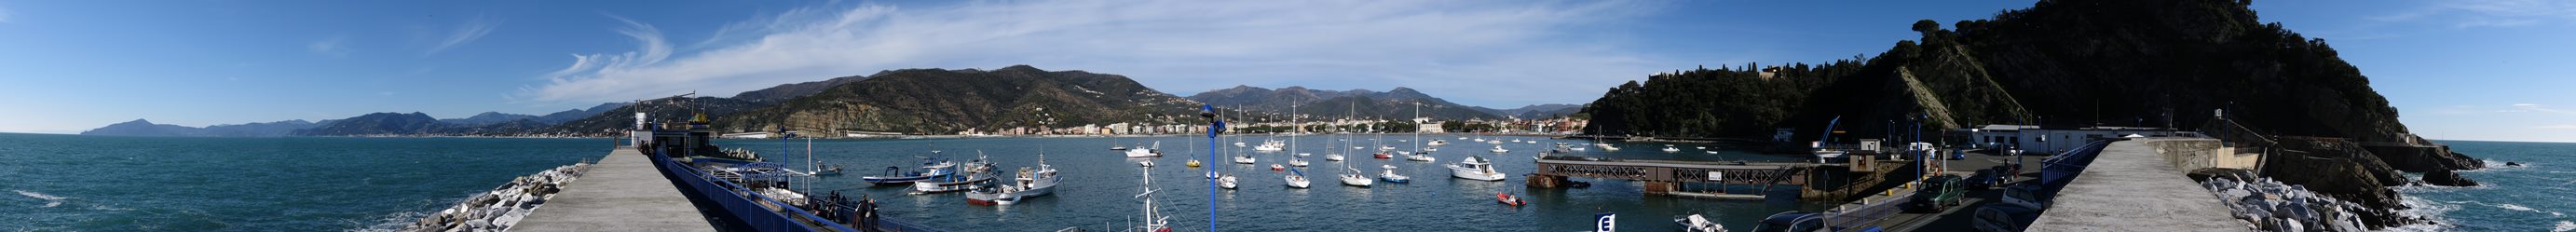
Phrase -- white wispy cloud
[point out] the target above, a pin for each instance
(2527, 107)
(1492, 51)
(329, 46)
(2489, 13)
(466, 33)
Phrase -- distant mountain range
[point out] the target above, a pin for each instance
(140, 127)
(919, 101)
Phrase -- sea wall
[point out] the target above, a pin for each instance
(2197, 154)
(503, 206)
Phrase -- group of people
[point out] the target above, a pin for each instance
(862, 213)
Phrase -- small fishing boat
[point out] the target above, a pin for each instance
(1508, 199)
(1031, 183)
(1276, 167)
(1153, 222)
(898, 176)
(1390, 177)
(951, 183)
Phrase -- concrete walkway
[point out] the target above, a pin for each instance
(623, 192)
(2132, 188)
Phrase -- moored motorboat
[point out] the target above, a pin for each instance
(1498, 149)
(1475, 168)
(1245, 159)
(1276, 167)
(896, 175)
(1508, 199)
(1390, 177)
(1383, 155)
(1436, 142)
(1697, 223)
(1142, 152)
(1333, 157)
(1300, 162)
(951, 183)
(1030, 183)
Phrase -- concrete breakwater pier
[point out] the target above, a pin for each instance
(623, 192)
(503, 206)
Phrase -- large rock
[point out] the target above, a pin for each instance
(2425, 158)
(2342, 170)
(2446, 177)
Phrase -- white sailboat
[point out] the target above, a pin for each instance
(1300, 162)
(1354, 178)
(1297, 179)
(1226, 181)
(1423, 155)
(1475, 168)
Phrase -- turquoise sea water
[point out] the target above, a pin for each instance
(103, 183)
(99, 183)
(2535, 197)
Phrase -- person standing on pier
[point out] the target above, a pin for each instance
(867, 213)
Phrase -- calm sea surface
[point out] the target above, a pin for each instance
(98, 183)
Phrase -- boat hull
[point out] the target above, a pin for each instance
(928, 187)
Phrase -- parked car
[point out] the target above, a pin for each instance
(2004, 218)
(1985, 179)
(1938, 193)
(1791, 221)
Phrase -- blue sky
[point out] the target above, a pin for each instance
(2481, 70)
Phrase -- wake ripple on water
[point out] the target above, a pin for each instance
(50, 200)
